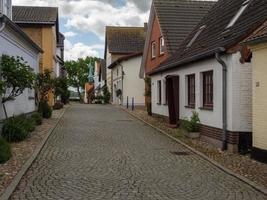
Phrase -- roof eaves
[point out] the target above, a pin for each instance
(34, 22)
(188, 60)
(16, 28)
(119, 60)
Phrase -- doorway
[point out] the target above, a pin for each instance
(172, 87)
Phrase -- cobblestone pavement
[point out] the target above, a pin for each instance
(102, 153)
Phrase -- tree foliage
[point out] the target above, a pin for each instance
(78, 72)
(61, 88)
(16, 77)
(44, 84)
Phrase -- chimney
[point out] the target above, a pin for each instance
(145, 26)
(6, 8)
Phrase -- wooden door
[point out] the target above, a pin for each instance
(172, 84)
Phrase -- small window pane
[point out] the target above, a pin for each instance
(191, 90)
(208, 89)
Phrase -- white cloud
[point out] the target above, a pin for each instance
(69, 34)
(94, 15)
(80, 50)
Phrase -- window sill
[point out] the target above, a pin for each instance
(206, 108)
(191, 107)
(159, 104)
(165, 104)
(153, 58)
(31, 98)
(161, 54)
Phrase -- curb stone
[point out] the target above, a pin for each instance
(14, 183)
(224, 169)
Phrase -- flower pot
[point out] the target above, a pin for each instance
(193, 135)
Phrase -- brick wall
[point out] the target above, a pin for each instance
(155, 36)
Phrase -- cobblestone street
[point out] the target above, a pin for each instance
(102, 153)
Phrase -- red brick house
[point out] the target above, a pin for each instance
(169, 24)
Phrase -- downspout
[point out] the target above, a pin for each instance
(224, 98)
(3, 23)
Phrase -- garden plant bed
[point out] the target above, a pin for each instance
(22, 151)
(240, 164)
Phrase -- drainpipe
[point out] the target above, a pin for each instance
(224, 98)
(3, 23)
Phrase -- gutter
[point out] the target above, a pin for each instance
(224, 98)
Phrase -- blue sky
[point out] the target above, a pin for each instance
(83, 21)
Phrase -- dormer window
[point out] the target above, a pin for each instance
(153, 50)
(161, 45)
(196, 36)
(238, 14)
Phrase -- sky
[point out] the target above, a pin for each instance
(83, 22)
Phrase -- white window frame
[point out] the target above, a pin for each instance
(153, 50)
(161, 45)
(238, 14)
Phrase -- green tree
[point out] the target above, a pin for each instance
(16, 77)
(44, 84)
(61, 89)
(78, 72)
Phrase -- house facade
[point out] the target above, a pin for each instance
(99, 76)
(60, 70)
(212, 74)
(170, 22)
(128, 87)
(14, 42)
(258, 44)
(41, 25)
(133, 42)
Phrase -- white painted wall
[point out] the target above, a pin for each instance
(12, 44)
(239, 110)
(133, 86)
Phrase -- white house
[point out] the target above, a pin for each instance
(15, 42)
(125, 73)
(211, 74)
(99, 76)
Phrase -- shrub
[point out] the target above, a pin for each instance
(18, 128)
(58, 105)
(106, 95)
(45, 110)
(191, 125)
(37, 117)
(5, 151)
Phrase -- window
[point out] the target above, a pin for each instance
(191, 90)
(196, 36)
(238, 14)
(208, 89)
(162, 45)
(153, 50)
(159, 92)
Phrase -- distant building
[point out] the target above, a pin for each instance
(100, 76)
(125, 74)
(120, 42)
(14, 42)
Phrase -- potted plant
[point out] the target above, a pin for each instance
(191, 126)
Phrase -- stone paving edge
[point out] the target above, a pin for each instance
(13, 185)
(218, 165)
